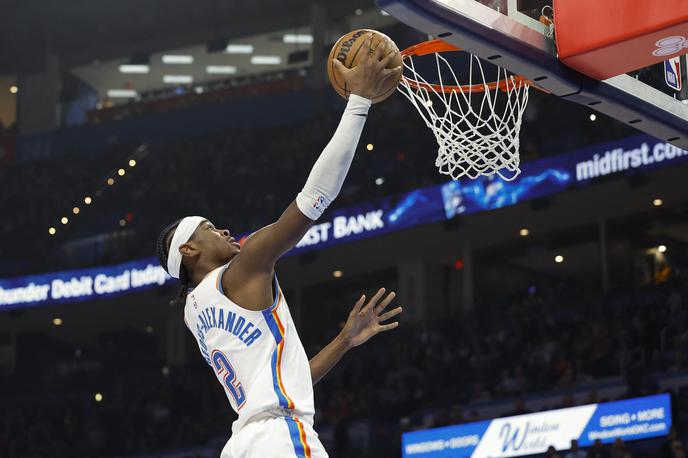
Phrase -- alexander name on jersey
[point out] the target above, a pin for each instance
(219, 318)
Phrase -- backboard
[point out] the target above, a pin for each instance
(509, 33)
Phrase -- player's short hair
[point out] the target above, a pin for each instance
(163, 250)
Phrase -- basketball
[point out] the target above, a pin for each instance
(347, 50)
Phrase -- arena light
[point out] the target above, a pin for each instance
(239, 49)
(177, 79)
(657, 202)
(128, 68)
(52, 231)
(110, 181)
(132, 163)
(64, 220)
(662, 248)
(524, 232)
(221, 69)
(266, 60)
(593, 117)
(98, 397)
(88, 200)
(76, 210)
(57, 321)
(123, 222)
(337, 274)
(14, 89)
(558, 259)
(379, 181)
(122, 93)
(177, 59)
(297, 38)
(358, 12)
(370, 147)
(121, 172)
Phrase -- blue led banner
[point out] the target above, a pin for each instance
(555, 174)
(630, 419)
(538, 178)
(421, 206)
(80, 285)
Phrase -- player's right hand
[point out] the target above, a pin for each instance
(367, 78)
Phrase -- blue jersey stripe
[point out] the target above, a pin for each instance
(274, 328)
(295, 437)
(283, 401)
(272, 324)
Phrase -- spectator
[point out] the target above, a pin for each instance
(575, 451)
(666, 449)
(552, 452)
(619, 449)
(598, 450)
(677, 449)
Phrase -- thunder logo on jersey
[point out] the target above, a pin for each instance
(230, 322)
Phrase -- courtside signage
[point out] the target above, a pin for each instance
(80, 285)
(520, 435)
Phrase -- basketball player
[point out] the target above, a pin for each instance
(237, 312)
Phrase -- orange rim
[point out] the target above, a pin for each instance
(438, 46)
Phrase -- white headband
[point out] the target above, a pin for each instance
(182, 234)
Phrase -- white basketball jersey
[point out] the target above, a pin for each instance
(257, 356)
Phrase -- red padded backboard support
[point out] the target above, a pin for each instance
(605, 38)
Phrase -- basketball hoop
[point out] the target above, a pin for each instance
(476, 125)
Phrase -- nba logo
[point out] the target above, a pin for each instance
(672, 73)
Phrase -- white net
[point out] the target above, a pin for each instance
(476, 125)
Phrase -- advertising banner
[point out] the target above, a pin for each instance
(462, 197)
(421, 206)
(388, 214)
(630, 419)
(557, 173)
(82, 284)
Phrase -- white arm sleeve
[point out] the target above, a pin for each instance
(327, 176)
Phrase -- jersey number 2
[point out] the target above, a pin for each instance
(225, 369)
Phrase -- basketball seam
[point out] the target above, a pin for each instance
(353, 58)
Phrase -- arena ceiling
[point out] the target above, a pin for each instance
(202, 64)
(81, 31)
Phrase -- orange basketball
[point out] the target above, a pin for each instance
(348, 51)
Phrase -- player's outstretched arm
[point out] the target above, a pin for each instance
(362, 324)
(256, 262)
(261, 251)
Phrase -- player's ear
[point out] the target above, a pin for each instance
(189, 249)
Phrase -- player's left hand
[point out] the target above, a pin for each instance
(365, 322)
